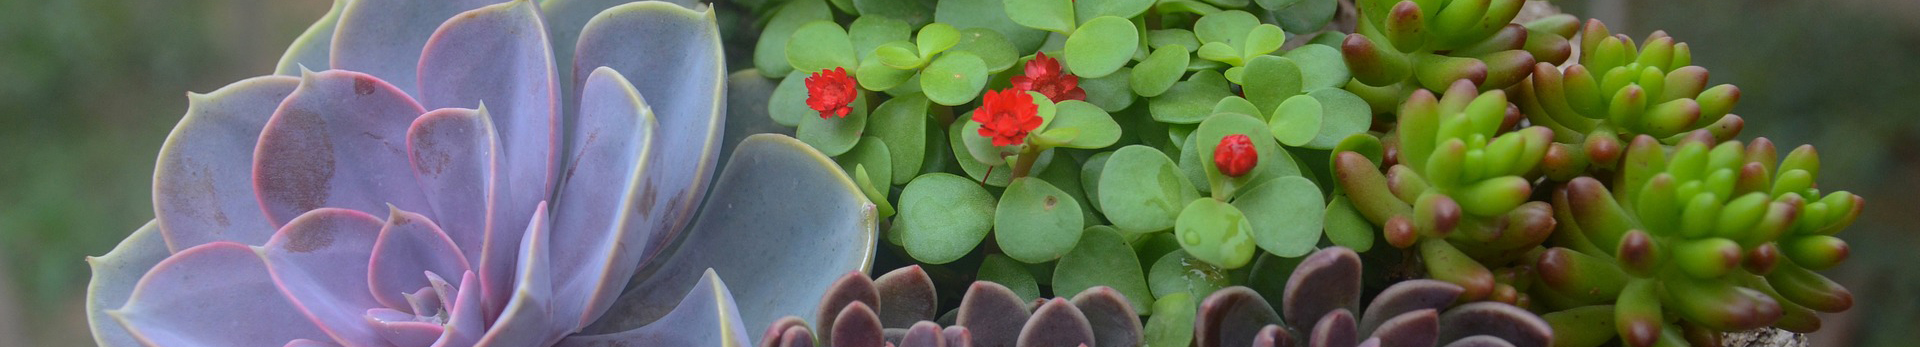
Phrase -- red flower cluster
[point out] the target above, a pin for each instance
(830, 91)
(1007, 116)
(1044, 76)
(1235, 155)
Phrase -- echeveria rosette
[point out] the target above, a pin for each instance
(519, 221)
(1458, 188)
(1617, 91)
(1402, 46)
(1719, 235)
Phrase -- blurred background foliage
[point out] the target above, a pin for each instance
(90, 88)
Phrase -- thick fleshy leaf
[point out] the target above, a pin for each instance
(1417, 328)
(497, 58)
(566, 19)
(1004, 271)
(1114, 321)
(457, 158)
(706, 316)
(409, 246)
(924, 334)
(216, 294)
(527, 319)
(943, 217)
(1407, 296)
(320, 261)
(383, 38)
(850, 288)
(1323, 282)
(748, 100)
(310, 50)
(680, 73)
(1509, 323)
(466, 320)
(750, 211)
(1102, 259)
(1288, 215)
(114, 275)
(906, 296)
(1056, 323)
(337, 141)
(604, 183)
(195, 198)
(1335, 329)
(1232, 317)
(857, 326)
(993, 313)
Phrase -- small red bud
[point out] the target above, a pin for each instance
(1235, 155)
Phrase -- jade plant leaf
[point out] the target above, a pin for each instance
(1050, 15)
(1010, 274)
(1279, 79)
(1100, 46)
(954, 78)
(1289, 221)
(1142, 191)
(744, 217)
(869, 32)
(1346, 227)
(1273, 161)
(1097, 128)
(942, 217)
(770, 52)
(1215, 232)
(1036, 222)
(1342, 115)
(821, 45)
(901, 123)
(1321, 66)
(1103, 259)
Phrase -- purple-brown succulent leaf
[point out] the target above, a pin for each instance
(213, 294)
(383, 37)
(196, 198)
(1114, 321)
(1412, 329)
(1056, 323)
(339, 140)
(1232, 317)
(850, 288)
(992, 313)
(1327, 280)
(1335, 329)
(1505, 322)
(1404, 297)
(114, 277)
(906, 295)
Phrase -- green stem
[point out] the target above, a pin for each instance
(1024, 164)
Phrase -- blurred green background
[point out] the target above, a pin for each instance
(90, 88)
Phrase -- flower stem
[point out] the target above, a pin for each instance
(1024, 164)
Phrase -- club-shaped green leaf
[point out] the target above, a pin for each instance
(1036, 222)
(1100, 46)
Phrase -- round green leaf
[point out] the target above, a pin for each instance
(1321, 66)
(820, 45)
(936, 38)
(1221, 52)
(1090, 178)
(1065, 174)
(1193, 167)
(992, 48)
(1097, 128)
(1190, 101)
(1179, 273)
(990, 15)
(1263, 39)
(1151, 247)
(981, 148)
(1172, 321)
(1101, 258)
(1101, 46)
(1346, 227)
(876, 75)
(788, 104)
(1110, 92)
(1229, 3)
(770, 53)
(1160, 70)
(874, 154)
(834, 135)
(914, 12)
(1159, 39)
(1275, 5)
(1273, 162)
(898, 55)
(1279, 79)
(1296, 121)
(1216, 233)
(1306, 16)
(1086, 9)
(1287, 215)
(1142, 191)
(869, 32)
(943, 217)
(1342, 114)
(901, 123)
(1224, 26)
(1012, 274)
(954, 78)
(1036, 222)
(1238, 105)
(1049, 15)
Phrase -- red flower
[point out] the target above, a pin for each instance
(1235, 155)
(830, 91)
(1007, 116)
(1044, 76)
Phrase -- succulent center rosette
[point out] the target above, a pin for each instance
(526, 203)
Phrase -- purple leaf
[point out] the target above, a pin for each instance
(1407, 296)
(1056, 323)
(497, 57)
(906, 296)
(604, 182)
(924, 334)
(527, 321)
(708, 316)
(195, 200)
(777, 334)
(338, 141)
(216, 294)
(466, 320)
(850, 288)
(1413, 329)
(1113, 319)
(384, 37)
(309, 343)
(957, 336)
(402, 329)
(456, 157)
(565, 20)
(410, 245)
(1335, 329)
(1480, 341)
(1231, 317)
(681, 72)
(320, 261)
(1327, 280)
(1506, 322)
(114, 275)
(995, 312)
(856, 326)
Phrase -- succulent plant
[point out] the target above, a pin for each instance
(1617, 90)
(1458, 188)
(533, 205)
(1719, 236)
(1402, 46)
(1323, 293)
(898, 309)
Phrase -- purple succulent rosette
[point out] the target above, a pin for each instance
(526, 202)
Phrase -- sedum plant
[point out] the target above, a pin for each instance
(448, 183)
(1402, 46)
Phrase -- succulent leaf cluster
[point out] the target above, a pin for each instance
(521, 198)
(1407, 45)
